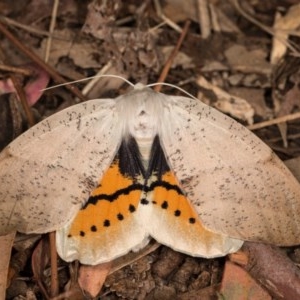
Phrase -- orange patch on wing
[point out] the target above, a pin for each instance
(174, 201)
(117, 198)
(177, 210)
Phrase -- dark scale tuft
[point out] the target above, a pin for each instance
(120, 217)
(144, 201)
(93, 228)
(131, 208)
(106, 223)
(177, 213)
(192, 220)
(165, 205)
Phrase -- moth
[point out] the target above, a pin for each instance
(108, 174)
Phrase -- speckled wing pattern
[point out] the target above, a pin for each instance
(108, 174)
(133, 203)
(238, 186)
(47, 173)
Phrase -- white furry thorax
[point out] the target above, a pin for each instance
(140, 115)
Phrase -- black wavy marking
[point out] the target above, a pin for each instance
(131, 166)
(133, 187)
(116, 195)
(166, 185)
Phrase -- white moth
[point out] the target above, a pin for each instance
(166, 149)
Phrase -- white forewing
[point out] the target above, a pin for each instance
(48, 172)
(238, 186)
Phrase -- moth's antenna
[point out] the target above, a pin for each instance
(88, 78)
(173, 86)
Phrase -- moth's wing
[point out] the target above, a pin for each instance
(238, 186)
(109, 224)
(172, 221)
(47, 173)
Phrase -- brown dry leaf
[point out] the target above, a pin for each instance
(83, 51)
(181, 59)
(248, 61)
(10, 119)
(35, 12)
(238, 284)
(256, 97)
(291, 100)
(40, 258)
(100, 17)
(282, 26)
(92, 278)
(233, 105)
(178, 10)
(6, 243)
(273, 269)
(294, 166)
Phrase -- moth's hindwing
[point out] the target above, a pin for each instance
(108, 226)
(132, 203)
(173, 220)
(237, 185)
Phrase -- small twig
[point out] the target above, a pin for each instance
(22, 96)
(51, 71)
(164, 18)
(27, 28)
(275, 121)
(169, 62)
(51, 29)
(92, 83)
(289, 137)
(54, 271)
(22, 71)
(203, 14)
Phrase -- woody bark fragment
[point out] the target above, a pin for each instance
(273, 269)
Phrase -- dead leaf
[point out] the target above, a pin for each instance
(282, 26)
(6, 242)
(92, 278)
(40, 258)
(273, 269)
(238, 284)
(233, 105)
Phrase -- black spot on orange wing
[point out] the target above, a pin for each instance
(93, 228)
(144, 201)
(106, 223)
(177, 213)
(164, 205)
(166, 191)
(170, 198)
(120, 217)
(117, 195)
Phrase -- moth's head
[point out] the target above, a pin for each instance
(140, 113)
